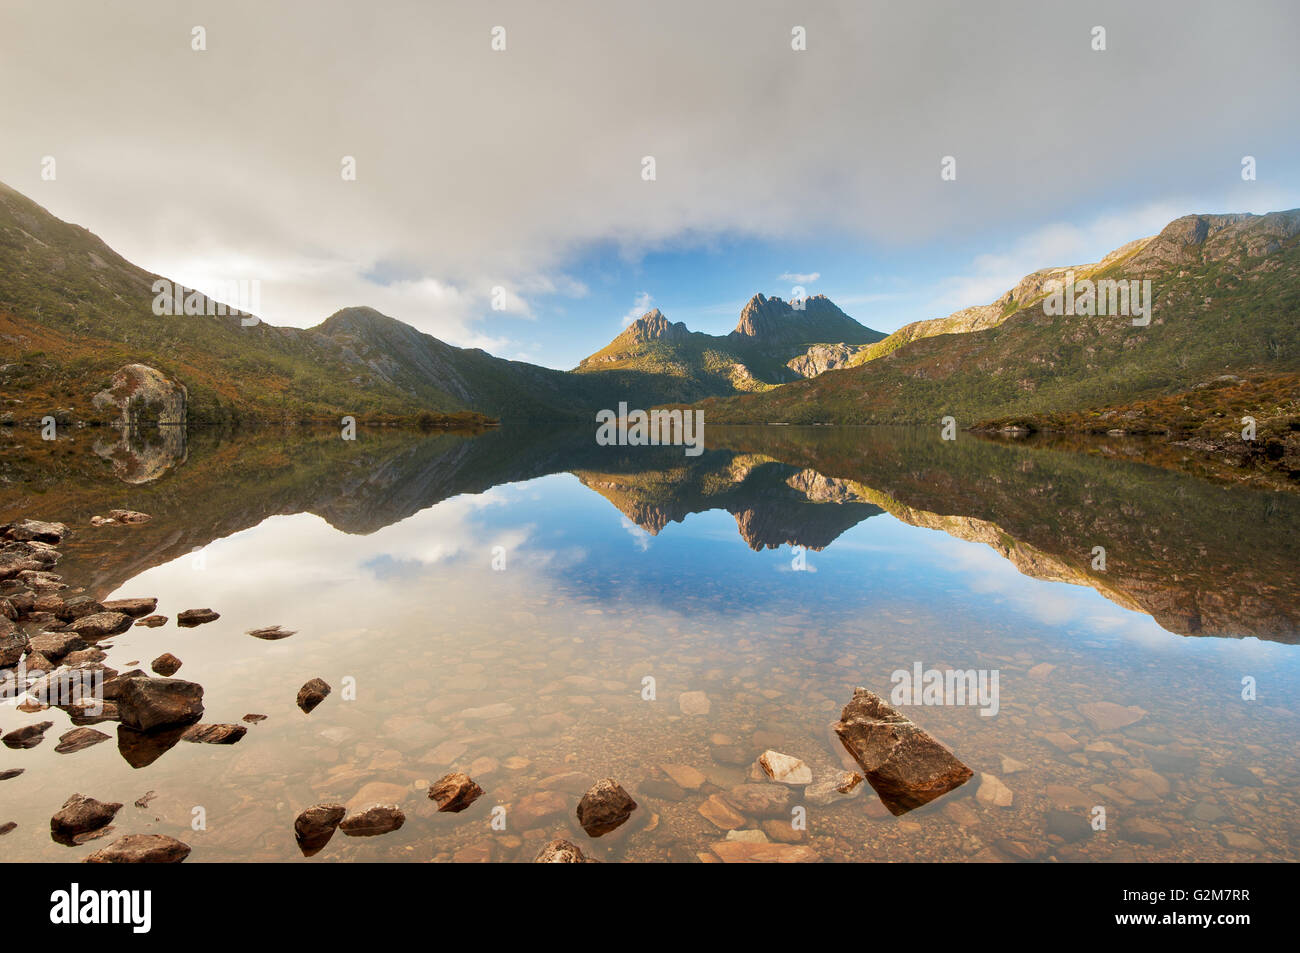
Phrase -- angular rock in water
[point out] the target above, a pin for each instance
(905, 765)
(271, 633)
(560, 851)
(28, 736)
(214, 734)
(132, 607)
(314, 827)
(34, 530)
(166, 664)
(79, 739)
(17, 557)
(152, 621)
(148, 703)
(379, 819)
(785, 769)
(1108, 716)
(100, 625)
(143, 800)
(312, 694)
(192, 617)
(8, 773)
(454, 792)
(79, 815)
(604, 807)
(141, 849)
(7, 827)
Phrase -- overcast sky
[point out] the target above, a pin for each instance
(522, 168)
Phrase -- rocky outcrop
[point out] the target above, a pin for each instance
(824, 357)
(905, 765)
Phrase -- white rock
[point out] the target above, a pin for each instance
(993, 793)
(784, 768)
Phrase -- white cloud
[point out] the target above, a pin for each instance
(800, 279)
(639, 307)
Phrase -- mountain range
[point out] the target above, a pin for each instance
(1225, 295)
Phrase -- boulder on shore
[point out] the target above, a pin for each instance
(99, 625)
(903, 762)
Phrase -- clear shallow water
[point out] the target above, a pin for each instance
(622, 565)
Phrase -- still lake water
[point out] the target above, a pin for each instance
(499, 602)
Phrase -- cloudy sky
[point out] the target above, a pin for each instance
(522, 168)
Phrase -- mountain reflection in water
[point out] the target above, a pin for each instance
(619, 564)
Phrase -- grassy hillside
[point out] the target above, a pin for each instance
(1226, 300)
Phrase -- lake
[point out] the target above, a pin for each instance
(529, 607)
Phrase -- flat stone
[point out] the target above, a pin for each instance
(214, 734)
(1142, 831)
(992, 792)
(99, 625)
(152, 621)
(533, 809)
(740, 852)
(79, 739)
(271, 633)
(1108, 716)
(28, 736)
(141, 849)
(373, 821)
(785, 768)
(720, 814)
(132, 607)
(684, 776)
(192, 617)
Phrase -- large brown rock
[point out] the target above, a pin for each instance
(312, 694)
(13, 643)
(141, 849)
(79, 815)
(314, 827)
(148, 703)
(905, 765)
(455, 792)
(214, 734)
(99, 625)
(604, 807)
(28, 736)
(78, 607)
